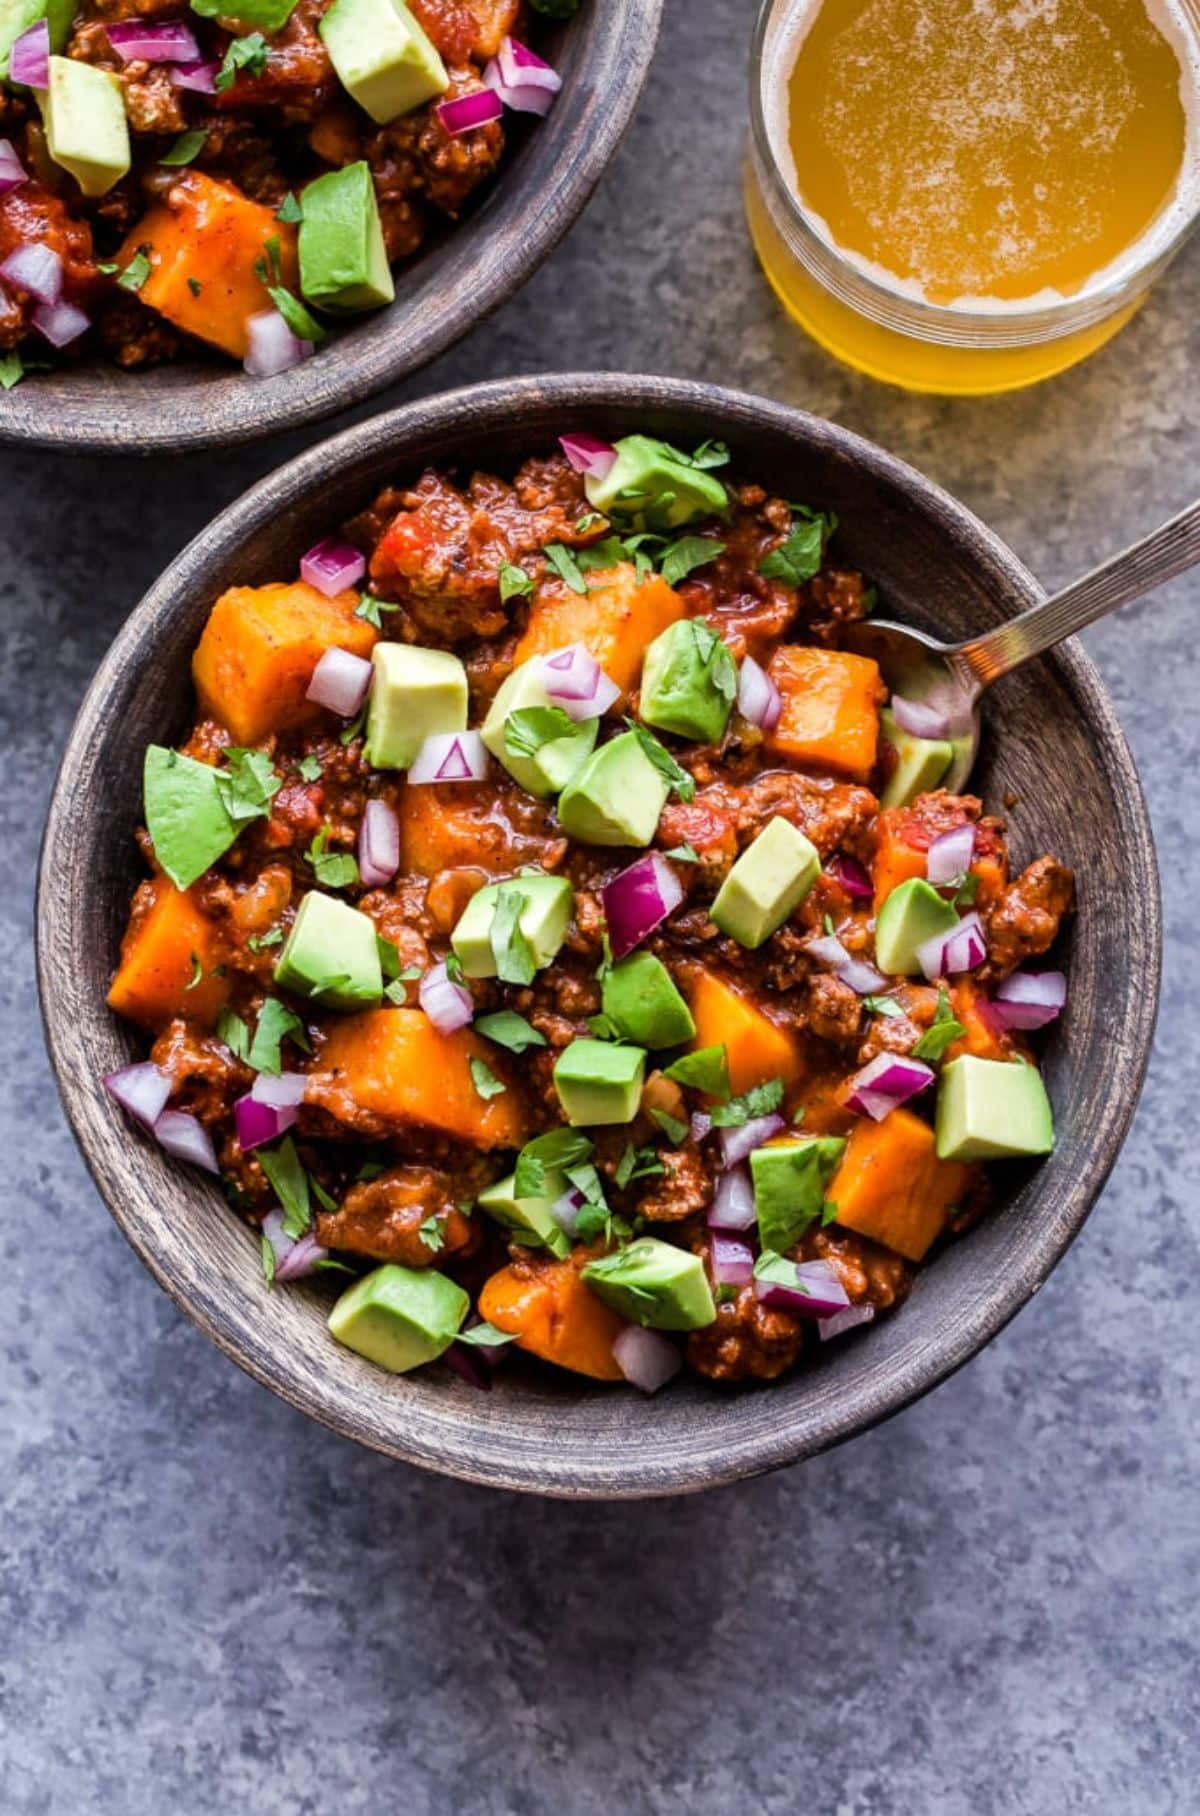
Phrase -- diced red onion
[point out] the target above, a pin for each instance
(919, 720)
(472, 1362)
(450, 756)
(200, 77)
(29, 59)
(294, 1256)
(646, 1358)
(521, 79)
(948, 954)
(12, 171)
(701, 1125)
(448, 1005)
(565, 1210)
(759, 700)
(332, 566)
(60, 323)
(852, 877)
(1030, 999)
(143, 1090)
(340, 681)
(732, 1261)
(378, 845)
(574, 680)
(818, 1292)
(587, 455)
(886, 1081)
(136, 42)
(862, 978)
(185, 1137)
(465, 112)
(283, 1090)
(37, 269)
(736, 1144)
(638, 900)
(850, 1319)
(273, 347)
(949, 856)
(733, 1206)
(257, 1122)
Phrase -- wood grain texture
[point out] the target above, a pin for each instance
(461, 274)
(1050, 737)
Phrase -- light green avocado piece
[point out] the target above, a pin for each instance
(543, 920)
(616, 797)
(382, 56)
(343, 261)
(654, 1283)
(920, 762)
(16, 16)
(653, 486)
(268, 16)
(599, 1082)
(529, 1217)
(992, 1109)
(186, 816)
(400, 1317)
(331, 955)
(790, 1178)
(689, 682)
(769, 880)
(87, 134)
(639, 997)
(912, 913)
(553, 764)
(414, 694)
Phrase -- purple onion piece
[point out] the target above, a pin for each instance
(142, 1090)
(467, 112)
(732, 1261)
(646, 1358)
(448, 1005)
(886, 1081)
(1029, 999)
(332, 566)
(273, 347)
(638, 900)
(185, 1138)
(378, 845)
(584, 452)
(733, 1206)
(736, 1144)
(450, 756)
(840, 1322)
(340, 681)
(759, 700)
(949, 856)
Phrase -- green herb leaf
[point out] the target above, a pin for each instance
(706, 1069)
(12, 370)
(760, 1100)
(711, 454)
(309, 769)
(233, 1033)
(664, 762)
(268, 1261)
(275, 1022)
(261, 942)
(603, 1027)
(185, 148)
(800, 555)
(637, 1163)
(675, 1131)
(515, 583)
(565, 566)
(289, 209)
(689, 553)
(323, 1198)
(248, 784)
(486, 1336)
(370, 610)
(882, 1005)
(289, 1182)
(515, 963)
(484, 1079)
(966, 888)
(724, 1294)
(195, 286)
(552, 1152)
(197, 974)
(454, 970)
(683, 854)
(336, 870)
(303, 324)
(604, 554)
(354, 729)
(942, 1032)
(529, 727)
(248, 53)
(508, 1029)
(136, 271)
(432, 1235)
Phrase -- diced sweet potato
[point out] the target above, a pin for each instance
(555, 1317)
(394, 1064)
(830, 717)
(616, 619)
(203, 242)
(253, 665)
(896, 861)
(758, 1048)
(453, 827)
(985, 1038)
(892, 1187)
(166, 939)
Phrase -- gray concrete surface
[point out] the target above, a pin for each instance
(209, 1605)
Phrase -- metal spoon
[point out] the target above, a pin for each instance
(949, 678)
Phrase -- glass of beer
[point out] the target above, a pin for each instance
(967, 196)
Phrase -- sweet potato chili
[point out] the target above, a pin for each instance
(177, 176)
(555, 935)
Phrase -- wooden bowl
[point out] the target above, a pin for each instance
(462, 273)
(1050, 737)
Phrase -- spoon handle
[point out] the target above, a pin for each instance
(1165, 552)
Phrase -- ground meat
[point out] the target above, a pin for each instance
(298, 81)
(834, 1009)
(1025, 921)
(748, 1341)
(831, 814)
(152, 102)
(382, 1218)
(871, 1275)
(836, 596)
(900, 1033)
(681, 1190)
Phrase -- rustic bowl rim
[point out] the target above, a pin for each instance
(94, 409)
(717, 1459)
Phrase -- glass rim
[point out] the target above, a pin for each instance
(893, 308)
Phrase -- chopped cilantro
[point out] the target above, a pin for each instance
(636, 1163)
(275, 1022)
(674, 1130)
(354, 730)
(309, 769)
(431, 1234)
(248, 784)
(289, 209)
(603, 1027)
(303, 324)
(486, 1336)
(508, 1029)
(827, 926)
(260, 942)
(268, 1260)
(882, 1005)
(515, 963)
(184, 149)
(233, 1033)
(800, 555)
(337, 870)
(370, 610)
(942, 1032)
(289, 1182)
(454, 970)
(529, 727)
(965, 888)
(12, 370)
(136, 271)
(565, 566)
(326, 1201)
(760, 1100)
(195, 286)
(707, 1070)
(664, 762)
(248, 53)
(484, 1079)
(554, 1151)
(197, 974)
(514, 582)
(710, 454)
(606, 958)
(684, 854)
(687, 554)
(603, 554)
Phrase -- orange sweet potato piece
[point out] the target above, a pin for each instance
(260, 646)
(555, 1317)
(830, 717)
(203, 241)
(166, 937)
(758, 1048)
(892, 1187)
(895, 861)
(394, 1064)
(617, 617)
(452, 827)
(984, 1038)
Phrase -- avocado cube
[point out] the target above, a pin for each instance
(400, 1317)
(16, 16)
(992, 1109)
(343, 261)
(551, 766)
(639, 997)
(689, 682)
(543, 920)
(652, 486)
(920, 762)
(414, 694)
(912, 913)
(331, 955)
(654, 1283)
(598, 1082)
(616, 797)
(769, 880)
(382, 56)
(87, 134)
(790, 1178)
(531, 1219)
